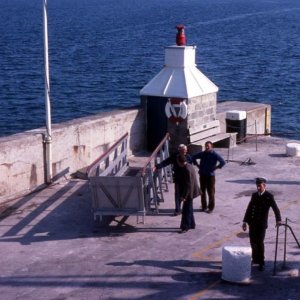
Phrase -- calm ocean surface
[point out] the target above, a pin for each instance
(103, 52)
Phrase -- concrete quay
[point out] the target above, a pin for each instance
(50, 248)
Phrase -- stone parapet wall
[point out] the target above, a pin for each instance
(75, 145)
(21, 163)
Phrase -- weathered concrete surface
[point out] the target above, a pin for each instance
(75, 145)
(51, 250)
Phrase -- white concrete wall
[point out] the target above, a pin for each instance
(75, 145)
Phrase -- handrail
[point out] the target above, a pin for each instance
(153, 181)
(106, 153)
(285, 239)
(154, 153)
(114, 160)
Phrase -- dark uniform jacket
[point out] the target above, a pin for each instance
(188, 182)
(258, 210)
(172, 159)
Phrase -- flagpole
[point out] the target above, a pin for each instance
(48, 135)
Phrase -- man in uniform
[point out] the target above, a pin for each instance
(256, 217)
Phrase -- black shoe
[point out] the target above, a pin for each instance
(183, 231)
(261, 267)
(209, 211)
(203, 209)
(176, 213)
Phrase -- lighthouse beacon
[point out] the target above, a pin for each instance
(180, 99)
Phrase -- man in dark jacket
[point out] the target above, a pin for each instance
(210, 161)
(188, 190)
(256, 217)
(172, 160)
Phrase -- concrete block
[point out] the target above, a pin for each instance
(293, 149)
(236, 264)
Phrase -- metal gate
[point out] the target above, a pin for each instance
(120, 190)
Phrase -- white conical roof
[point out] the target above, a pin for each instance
(180, 76)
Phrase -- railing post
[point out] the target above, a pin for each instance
(228, 151)
(285, 241)
(256, 136)
(151, 178)
(276, 246)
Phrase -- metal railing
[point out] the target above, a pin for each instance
(111, 168)
(155, 182)
(286, 226)
(112, 160)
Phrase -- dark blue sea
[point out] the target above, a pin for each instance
(103, 52)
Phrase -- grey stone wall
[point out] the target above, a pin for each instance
(201, 110)
(75, 145)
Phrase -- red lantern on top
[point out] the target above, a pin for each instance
(180, 37)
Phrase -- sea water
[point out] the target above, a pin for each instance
(103, 52)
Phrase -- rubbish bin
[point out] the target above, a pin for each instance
(236, 121)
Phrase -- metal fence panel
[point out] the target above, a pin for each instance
(113, 195)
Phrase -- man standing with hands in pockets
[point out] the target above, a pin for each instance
(210, 160)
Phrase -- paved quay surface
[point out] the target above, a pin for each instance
(50, 248)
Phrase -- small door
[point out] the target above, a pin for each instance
(157, 122)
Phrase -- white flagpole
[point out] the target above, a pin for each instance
(47, 137)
